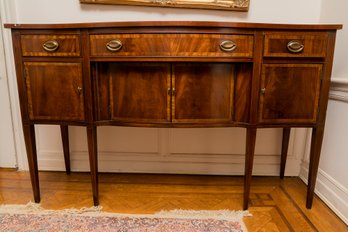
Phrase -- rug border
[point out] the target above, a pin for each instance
(96, 211)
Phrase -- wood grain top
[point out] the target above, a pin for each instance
(177, 24)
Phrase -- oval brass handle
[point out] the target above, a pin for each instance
(295, 46)
(228, 46)
(114, 45)
(51, 45)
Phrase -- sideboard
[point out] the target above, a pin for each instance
(174, 74)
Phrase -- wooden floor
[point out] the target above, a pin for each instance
(276, 205)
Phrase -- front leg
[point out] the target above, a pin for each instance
(249, 159)
(284, 154)
(30, 144)
(93, 161)
(65, 141)
(317, 140)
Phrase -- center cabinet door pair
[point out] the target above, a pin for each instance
(165, 92)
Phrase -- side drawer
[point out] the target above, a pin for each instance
(178, 45)
(295, 44)
(50, 45)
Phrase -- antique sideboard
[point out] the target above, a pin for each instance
(174, 74)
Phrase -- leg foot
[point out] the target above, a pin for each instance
(65, 141)
(317, 139)
(284, 153)
(30, 144)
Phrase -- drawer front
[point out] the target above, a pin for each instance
(178, 45)
(295, 44)
(50, 45)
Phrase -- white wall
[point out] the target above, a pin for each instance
(50, 11)
(7, 142)
(335, 11)
(332, 182)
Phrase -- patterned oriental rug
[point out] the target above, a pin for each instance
(32, 217)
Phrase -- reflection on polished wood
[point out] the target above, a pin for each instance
(203, 93)
(276, 205)
(47, 82)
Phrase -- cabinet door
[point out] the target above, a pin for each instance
(138, 92)
(54, 91)
(290, 93)
(203, 92)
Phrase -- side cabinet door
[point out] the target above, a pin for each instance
(54, 91)
(203, 92)
(290, 93)
(137, 92)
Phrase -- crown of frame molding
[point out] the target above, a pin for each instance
(239, 5)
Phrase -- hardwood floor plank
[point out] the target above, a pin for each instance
(322, 215)
(276, 205)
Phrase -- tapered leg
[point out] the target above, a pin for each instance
(93, 161)
(30, 144)
(249, 159)
(65, 140)
(284, 154)
(317, 139)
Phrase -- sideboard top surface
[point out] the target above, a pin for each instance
(177, 24)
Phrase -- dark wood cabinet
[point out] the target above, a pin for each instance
(165, 92)
(134, 92)
(290, 93)
(202, 92)
(174, 74)
(54, 91)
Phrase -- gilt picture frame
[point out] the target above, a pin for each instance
(237, 5)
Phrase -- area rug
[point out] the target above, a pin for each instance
(32, 217)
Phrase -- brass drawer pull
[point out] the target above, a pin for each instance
(114, 45)
(228, 46)
(295, 46)
(51, 45)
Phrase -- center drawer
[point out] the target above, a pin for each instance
(178, 45)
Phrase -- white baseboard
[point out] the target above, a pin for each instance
(214, 164)
(339, 90)
(330, 191)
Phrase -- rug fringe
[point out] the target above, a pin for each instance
(203, 214)
(36, 208)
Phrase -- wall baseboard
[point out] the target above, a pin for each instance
(339, 90)
(208, 164)
(327, 188)
(330, 191)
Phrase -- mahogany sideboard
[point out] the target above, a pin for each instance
(174, 74)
